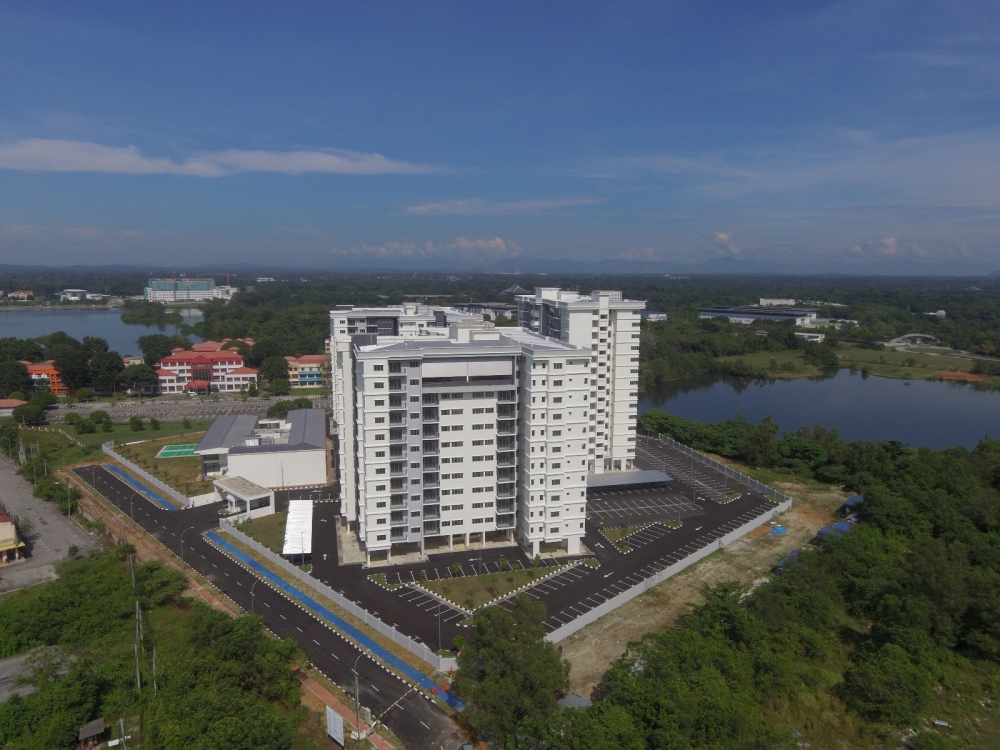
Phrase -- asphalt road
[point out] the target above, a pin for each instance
(416, 721)
(54, 532)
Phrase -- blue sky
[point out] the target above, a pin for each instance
(344, 134)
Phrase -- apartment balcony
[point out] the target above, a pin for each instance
(397, 468)
(432, 479)
(431, 447)
(397, 484)
(432, 528)
(396, 451)
(432, 496)
(430, 430)
(506, 411)
(506, 428)
(430, 414)
(431, 462)
(397, 534)
(396, 384)
(506, 474)
(507, 459)
(398, 501)
(507, 489)
(505, 521)
(399, 518)
(395, 401)
(505, 505)
(397, 417)
(397, 434)
(430, 398)
(506, 443)
(506, 396)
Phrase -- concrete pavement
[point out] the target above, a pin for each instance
(54, 532)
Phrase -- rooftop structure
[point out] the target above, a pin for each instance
(748, 314)
(245, 498)
(272, 453)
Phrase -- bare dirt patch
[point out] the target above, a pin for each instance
(748, 560)
(969, 376)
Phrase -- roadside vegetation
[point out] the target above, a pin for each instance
(267, 530)
(861, 643)
(218, 682)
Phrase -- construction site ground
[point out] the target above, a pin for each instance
(750, 560)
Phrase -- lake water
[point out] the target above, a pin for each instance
(107, 324)
(917, 412)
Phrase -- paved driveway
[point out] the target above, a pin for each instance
(54, 533)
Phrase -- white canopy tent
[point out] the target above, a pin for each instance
(298, 528)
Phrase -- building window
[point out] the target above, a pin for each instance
(380, 505)
(380, 538)
(379, 420)
(380, 470)
(380, 521)
(380, 436)
(378, 368)
(380, 488)
(380, 385)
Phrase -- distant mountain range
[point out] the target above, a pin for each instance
(715, 266)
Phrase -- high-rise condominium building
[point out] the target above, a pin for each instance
(452, 429)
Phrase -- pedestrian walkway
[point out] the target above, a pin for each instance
(349, 630)
(141, 487)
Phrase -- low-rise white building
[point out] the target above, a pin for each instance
(244, 499)
(272, 453)
(187, 290)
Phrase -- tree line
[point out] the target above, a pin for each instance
(860, 638)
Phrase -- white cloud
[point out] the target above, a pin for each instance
(475, 206)
(40, 155)
(725, 241)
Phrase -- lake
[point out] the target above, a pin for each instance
(107, 324)
(917, 412)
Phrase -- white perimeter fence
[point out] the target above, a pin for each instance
(643, 586)
(729, 472)
(166, 489)
(440, 663)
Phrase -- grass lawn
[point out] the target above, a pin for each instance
(313, 390)
(183, 474)
(888, 363)
(614, 533)
(268, 530)
(473, 592)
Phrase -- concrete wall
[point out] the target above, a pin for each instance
(281, 468)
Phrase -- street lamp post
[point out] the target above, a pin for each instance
(182, 543)
(302, 548)
(357, 700)
(251, 596)
(440, 646)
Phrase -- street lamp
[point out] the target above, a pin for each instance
(440, 647)
(251, 595)
(302, 548)
(182, 543)
(357, 701)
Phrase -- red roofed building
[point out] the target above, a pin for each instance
(223, 370)
(45, 377)
(309, 370)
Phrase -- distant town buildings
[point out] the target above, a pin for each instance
(489, 310)
(202, 372)
(654, 317)
(776, 302)
(22, 295)
(748, 314)
(79, 295)
(187, 290)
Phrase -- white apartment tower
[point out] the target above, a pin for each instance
(453, 430)
(607, 325)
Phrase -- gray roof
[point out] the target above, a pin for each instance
(92, 729)
(573, 700)
(242, 487)
(308, 432)
(625, 478)
(228, 432)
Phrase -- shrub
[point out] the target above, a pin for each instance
(186, 422)
(18, 395)
(73, 418)
(43, 399)
(85, 394)
(29, 414)
(135, 423)
(85, 427)
(99, 415)
(154, 423)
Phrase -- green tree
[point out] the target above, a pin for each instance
(105, 371)
(28, 414)
(508, 673)
(73, 366)
(135, 423)
(85, 395)
(94, 345)
(43, 399)
(98, 415)
(886, 686)
(156, 346)
(280, 387)
(154, 423)
(137, 377)
(13, 377)
(273, 368)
